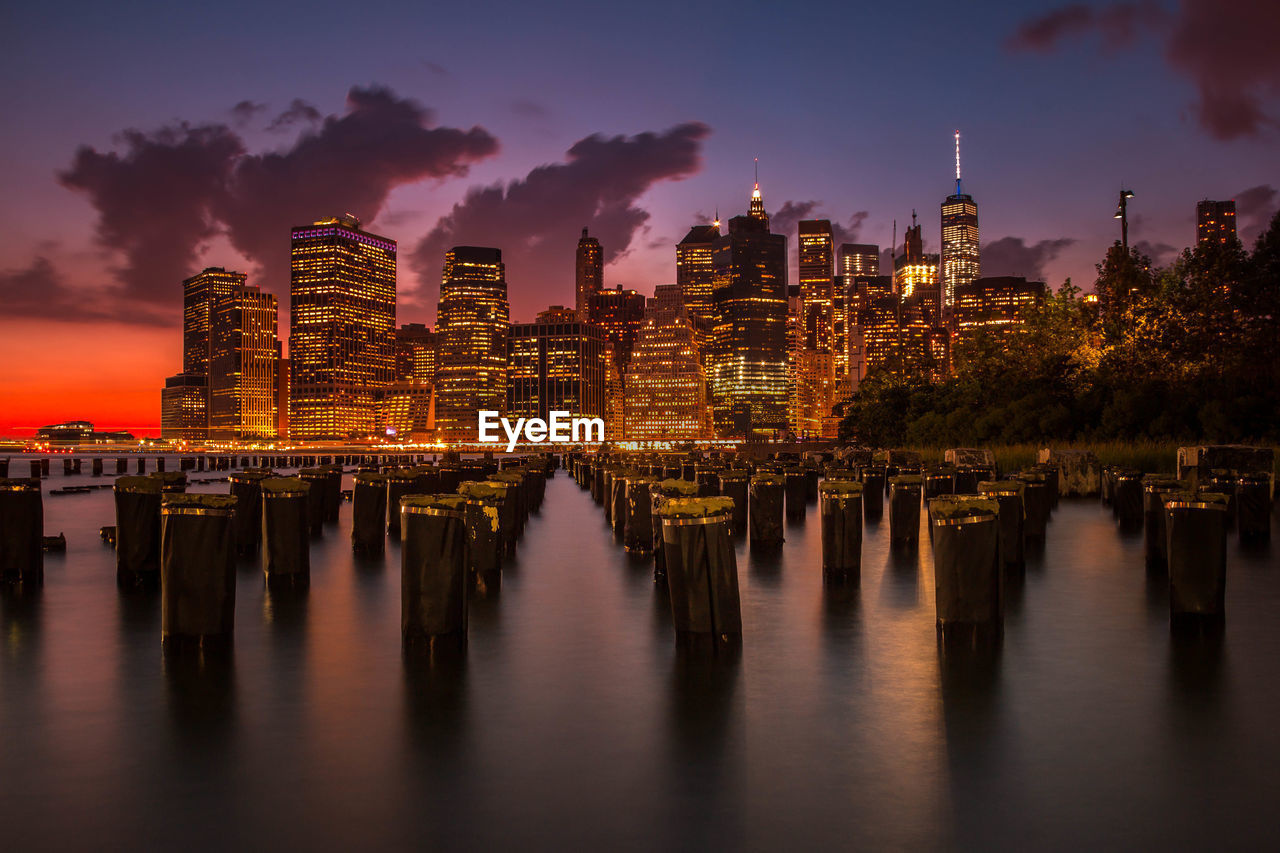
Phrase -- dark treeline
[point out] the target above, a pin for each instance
(1187, 352)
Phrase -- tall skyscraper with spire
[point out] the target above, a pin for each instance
(756, 210)
(472, 324)
(960, 257)
(588, 273)
(748, 359)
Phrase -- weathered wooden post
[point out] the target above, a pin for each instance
(840, 509)
(286, 532)
(197, 570)
(734, 485)
(702, 574)
(1008, 495)
(137, 531)
(482, 518)
(637, 533)
(1154, 489)
(904, 508)
(796, 487)
(1037, 501)
(247, 487)
(1126, 498)
(874, 483)
(1196, 545)
(318, 487)
(967, 568)
(433, 570)
(369, 514)
(659, 493)
(1253, 507)
(21, 532)
(765, 517)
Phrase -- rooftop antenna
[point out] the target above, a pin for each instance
(717, 222)
(958, 162)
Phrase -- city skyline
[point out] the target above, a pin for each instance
(637, 154)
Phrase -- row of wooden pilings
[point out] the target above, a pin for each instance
(457, 522)
(73, 465)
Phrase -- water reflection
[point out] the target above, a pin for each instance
(200, 686)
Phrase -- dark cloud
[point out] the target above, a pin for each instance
(40, 291)
(1254, 209)
(299, 112)
(170, 191)
(536, 220)
(1012, 256)
(1118, 25)
(1158, 252)
(156, 201)
(1229, 51)
(1226, 50)
(436, 68)
(787, 217)
(245, 112)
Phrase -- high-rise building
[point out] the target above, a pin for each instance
(666, 385)
(748, 358)
(472, 323)
(695, 275)
(859, 259)
(1215, 221)
(199, 293)
(556, 363)
(815, 361)
(895, 333)
(243, 358)
(415, 354)
(619, 312)
(408, 411)
(960, 262)
(862, 294)
(994, 302)
(283, 373)
(588, 273)
(915, 273)
(184, 414)
(341, 329)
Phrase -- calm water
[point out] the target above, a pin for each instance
(573, 724)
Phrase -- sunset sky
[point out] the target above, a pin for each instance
(146, 142)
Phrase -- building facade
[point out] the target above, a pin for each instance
(960, 262)
(341, 329)
(556, 363)
(666, 384)
(1215, 222)
(243, 359)
(588, 273)
(749, 349)
(472, 322)
(184, 414)
(994, 302)
(695, 276)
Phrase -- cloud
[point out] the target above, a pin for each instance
(1254, 209)
(1012, 256)
(1227, 51)
(245, 111)
(349, 164)
(536, 220)
(40, 291)
(166, 193)
(1158, 252)
(791, 213)
(1118, 25)
(156, 201)
(436, 68)
(299, 112)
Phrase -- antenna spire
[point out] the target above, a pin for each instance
(958, 163)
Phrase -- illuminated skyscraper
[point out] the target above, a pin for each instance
(472, 323)
(199, 293)
(748, 358)
(415, 354)
(1215, 221)
(243, 359)
(996, 302)
(916, 274)
(341, 331)
(588, 273)
(666, 385)
(858, 259)
(960, 262)
(816, 352)
(184, 413)
(695, 274)
(862, 293)
(619, 312)
(556, 363)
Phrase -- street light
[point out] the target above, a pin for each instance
(1122, 213)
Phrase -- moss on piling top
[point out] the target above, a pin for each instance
(170, 476)
(282, 485)
(1037, 477)
(695, 507)
(139, 483)
(906, 480)
(962, 506)
(483, 491)
(734, 475)
(641, 479)
(507, 475)
(317, 473)
(840, 487)
(834, 474)
(991, 487)
(768, 479)
(369, 477)
(248, 475)
(20, 484)
(199, 501)
(434, 501)
(402, 474)
(1212, 497)
(675, 488)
